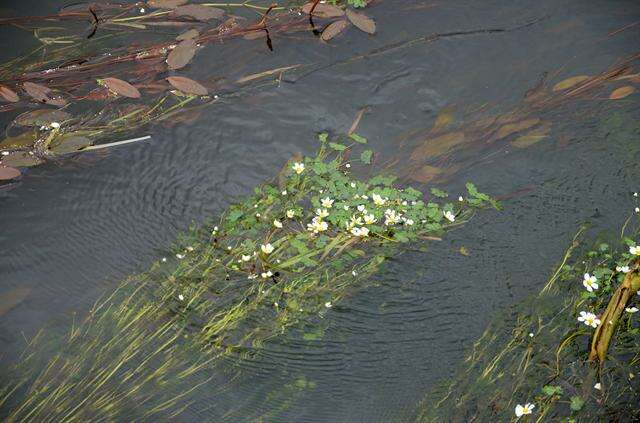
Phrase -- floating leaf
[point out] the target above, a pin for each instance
(37, 92)
(8, 94)
(120, 87)
(436, 146)
(24, 140)
(323, 10)
(188, 35)
(365, 156)
(362, 21)
(512, 128)
(622, 92)
(187, 85)
(334, 29)
(70, 143)
(182, 54)
(199, 12)
(358, 138)
(21, 159)
(41, 117)
(570, 82)
(7, 173)
(533, 136)
(12, 298)
(166, 4)
(444, 119)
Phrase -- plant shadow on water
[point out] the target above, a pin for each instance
(75, 229)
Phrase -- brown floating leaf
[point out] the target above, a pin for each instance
(437, 146)
(166, 4)
(362, 21)
(334, 29)
(36, 91)
(24, 140)
(532, 136)
(570, 82)
(13, 297)
(188, 35)
(323, 10)
(70, 143)
(182, 54)
(41, 117)
(8, 94)
(20, 159)
(120, 87)
(444, 119)
(7, 173)
(512, 128)
(621, 92)
(199, 12)
(187, 85)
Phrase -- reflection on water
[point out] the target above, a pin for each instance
(72, 230)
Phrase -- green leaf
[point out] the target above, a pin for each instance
(358, 138)
(439, 193)
(322, 137)
(577, 403)
(337, 147)
(365, 156)
(550, 390)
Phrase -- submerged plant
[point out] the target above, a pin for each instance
(571, 352)
(279, 260)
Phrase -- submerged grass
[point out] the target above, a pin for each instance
(276, 261)
(538, 352)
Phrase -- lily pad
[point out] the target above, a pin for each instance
(187, 85)
(120, 87)
(36, 91)
(70, 143)
(323, 10)
(7, 173)
(24, 140)
(41, 117)
(182, 54)
(20, 159)
(8, 94)
(622, 92)
(362, 21)
(188, 35)
(334, 29)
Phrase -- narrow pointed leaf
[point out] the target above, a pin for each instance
(569, 82)
(334, 29)
(181, 55)
(7, 173)
(187, 85)
(622, 92)
(36, 91)
(323, 10)
(8, 94)
(362, 21)
(120, 87)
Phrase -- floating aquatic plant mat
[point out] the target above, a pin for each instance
(273, 264)
(570, 353)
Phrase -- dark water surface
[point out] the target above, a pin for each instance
(72, 230)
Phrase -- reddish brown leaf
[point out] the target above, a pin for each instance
(99, 93)
(621, 92)
(166, 4)
(120, 87)
(7, 173)
(199, 12)
(41, 117)
(8, 94)
(570, 82)
(36, 91)
(334, 29)
(188, 35)
(362, 21)
(182, 54)
(187, 85)
(323, 10)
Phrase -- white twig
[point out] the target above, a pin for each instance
(113, 144)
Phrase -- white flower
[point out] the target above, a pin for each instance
(246, 258)
(369, 219)
(345, 207)
(360, 231)
(252, 276)
(461, 199)
(181, 297)
(590, 282)
(378, 200)
(284, 192)
(364, 197)
(322, 213)
(267, 248)
(597, 386)
(408, 222)
(522, 410)
(635, 250)
(348, 165)
(623, 269)
(354, 273)
(164, 259)
(266, 274)
(277, 223)
(404, 203)
(189, 248)
(355, 221)
(180, 256)
(631, 309)
(257, 214)
(54, 125)
(326, 202)
(142, 10)
(391, 217)
(352, 184)
(362, 208)
(449, 216)
(298, 167)
(328, 304)
(291, 213)
(589, 319)
(637, 209)
(317, 225)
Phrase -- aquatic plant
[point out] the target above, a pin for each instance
(570, 352)
(276, 261)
